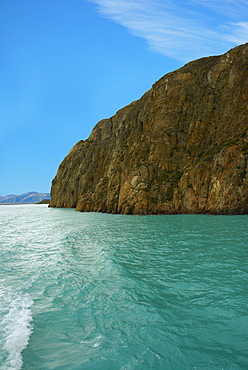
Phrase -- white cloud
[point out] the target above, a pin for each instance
(183, 29)
(239, 34)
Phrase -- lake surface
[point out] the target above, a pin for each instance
(98, 291)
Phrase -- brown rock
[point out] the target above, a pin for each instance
(181, 148)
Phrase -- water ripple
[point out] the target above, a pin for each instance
(125, 292)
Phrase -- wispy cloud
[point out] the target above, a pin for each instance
(182, 29)
(240, 33)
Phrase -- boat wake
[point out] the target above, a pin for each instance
(15, 327)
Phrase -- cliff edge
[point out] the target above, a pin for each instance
(181, 148)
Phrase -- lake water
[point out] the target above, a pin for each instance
(98, 291)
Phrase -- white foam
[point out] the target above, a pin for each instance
(96, 342)
(17, 328)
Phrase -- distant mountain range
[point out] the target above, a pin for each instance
(31, 197)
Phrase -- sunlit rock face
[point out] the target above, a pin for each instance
(181, 148)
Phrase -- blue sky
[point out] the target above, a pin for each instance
(66, 64)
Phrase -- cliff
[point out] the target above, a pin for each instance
(181, 148)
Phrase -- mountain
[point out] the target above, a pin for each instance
(181, 148)
(31, 197)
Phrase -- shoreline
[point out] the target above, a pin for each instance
(21, 204)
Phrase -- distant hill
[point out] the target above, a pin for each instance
(31, 197)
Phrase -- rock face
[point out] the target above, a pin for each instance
(181, 148)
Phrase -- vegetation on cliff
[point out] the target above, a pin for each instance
(181, 148)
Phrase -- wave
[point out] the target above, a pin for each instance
(15, 326)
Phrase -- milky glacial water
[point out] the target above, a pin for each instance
(98, 291)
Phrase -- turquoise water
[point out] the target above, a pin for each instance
(97, 291)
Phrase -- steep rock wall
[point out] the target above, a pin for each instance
(181, 148)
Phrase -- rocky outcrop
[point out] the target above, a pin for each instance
(44, 201)
(181, 148)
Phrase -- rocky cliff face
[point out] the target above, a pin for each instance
(181, 148)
